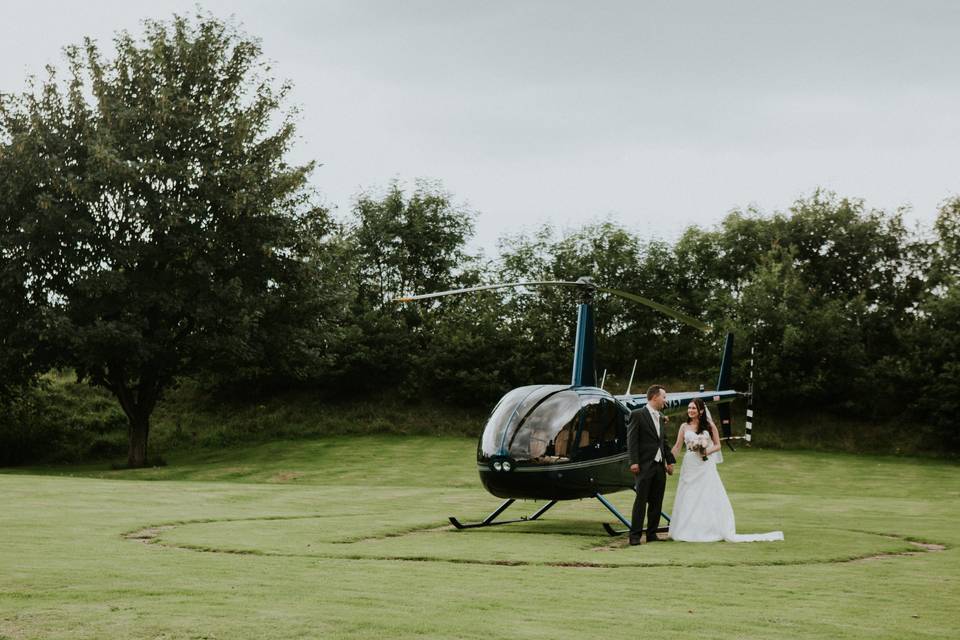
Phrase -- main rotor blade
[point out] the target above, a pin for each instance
(673, 313)
(487, 287)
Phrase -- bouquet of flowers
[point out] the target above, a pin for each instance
(698, 442)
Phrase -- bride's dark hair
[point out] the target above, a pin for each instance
(704, 420)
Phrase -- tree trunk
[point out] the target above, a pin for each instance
(137, 431)
(137, 403)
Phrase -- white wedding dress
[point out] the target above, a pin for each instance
(702, 510)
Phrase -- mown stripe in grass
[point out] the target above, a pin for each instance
(151, 535)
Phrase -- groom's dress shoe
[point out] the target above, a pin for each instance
(634, 540)
(653, 538)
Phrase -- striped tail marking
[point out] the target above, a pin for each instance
(748, 435)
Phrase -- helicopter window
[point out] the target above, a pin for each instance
(569, 425)
(544, 434)
(564, 442)
(512, 410)
(553, 423)
(602, 428)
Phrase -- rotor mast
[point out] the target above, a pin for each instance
(584, 372)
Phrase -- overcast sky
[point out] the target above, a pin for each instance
(657, 114)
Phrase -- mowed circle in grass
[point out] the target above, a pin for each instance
(559, 542)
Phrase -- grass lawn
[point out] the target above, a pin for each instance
(346, 537)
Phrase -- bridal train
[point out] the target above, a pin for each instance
(702, 511)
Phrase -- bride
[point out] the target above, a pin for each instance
(702, 511)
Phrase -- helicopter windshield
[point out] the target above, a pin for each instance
(548, 424)
(508, 414)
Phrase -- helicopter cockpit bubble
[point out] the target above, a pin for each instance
(546, 424)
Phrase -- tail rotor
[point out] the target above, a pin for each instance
(723, 382)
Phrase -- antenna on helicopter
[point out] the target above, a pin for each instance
(629, 384)
(603, 379)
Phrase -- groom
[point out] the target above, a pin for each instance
(650, 461)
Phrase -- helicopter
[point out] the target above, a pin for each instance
(557, 442)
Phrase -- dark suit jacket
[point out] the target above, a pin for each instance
(642, 440)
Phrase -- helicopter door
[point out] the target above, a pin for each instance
(601, 430)
(564, 441)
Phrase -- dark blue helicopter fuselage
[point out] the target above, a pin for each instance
(564, 442)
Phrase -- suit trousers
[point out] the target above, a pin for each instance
(650, 487)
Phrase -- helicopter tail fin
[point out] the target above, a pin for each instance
(748, 435)
(723, 382)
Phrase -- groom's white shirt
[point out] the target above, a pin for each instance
(656, 425)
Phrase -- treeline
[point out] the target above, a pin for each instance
(848, 311)
(152, 230)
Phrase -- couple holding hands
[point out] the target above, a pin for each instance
(701, 510)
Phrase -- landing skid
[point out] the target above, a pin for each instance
(490, 520)
(619, 532)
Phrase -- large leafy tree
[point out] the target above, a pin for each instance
(401, 242)
(929, 368)
(819, 290)
(150, 224)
